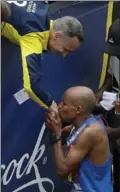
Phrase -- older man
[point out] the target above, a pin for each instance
(27, 24)
(88, 156)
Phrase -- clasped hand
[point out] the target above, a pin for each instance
(53, 121)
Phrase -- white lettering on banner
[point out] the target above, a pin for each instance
(19, 3)
(14, 168)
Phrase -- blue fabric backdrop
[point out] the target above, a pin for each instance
(27, 161)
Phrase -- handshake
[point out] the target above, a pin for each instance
(54, 108)
(53, 120)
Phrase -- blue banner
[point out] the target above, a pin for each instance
(27, 159)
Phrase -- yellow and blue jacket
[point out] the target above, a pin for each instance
(29, 26)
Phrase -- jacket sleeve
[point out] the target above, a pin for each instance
(31, 50)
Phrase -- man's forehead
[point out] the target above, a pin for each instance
(70, 101)
(71, 96)
(67, 97)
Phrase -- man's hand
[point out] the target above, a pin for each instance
(53, 121)
(54, 107)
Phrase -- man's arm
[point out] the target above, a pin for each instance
(66, 164)
(106, 86)
(113, 133)
(108, 82)
(66, 132)
(31, 50)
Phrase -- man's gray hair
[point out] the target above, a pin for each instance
(69, 26)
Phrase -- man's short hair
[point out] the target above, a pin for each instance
(70, 26)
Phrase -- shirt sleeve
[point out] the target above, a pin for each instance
(31, 50)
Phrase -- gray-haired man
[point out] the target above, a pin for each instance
(27, 24)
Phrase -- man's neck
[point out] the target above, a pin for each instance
(79, 121)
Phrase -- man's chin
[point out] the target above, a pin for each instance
(64, 121)
(53, 52)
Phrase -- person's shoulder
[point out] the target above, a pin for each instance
(95, 128)
(93, 131)
(90, 136)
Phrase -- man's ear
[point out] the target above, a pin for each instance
(78, 110)
(57, 35)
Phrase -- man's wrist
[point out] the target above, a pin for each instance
(55, 138)
(57, 133)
